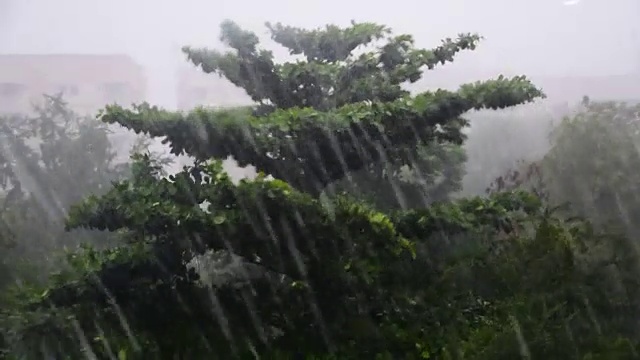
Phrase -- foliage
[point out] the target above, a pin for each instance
(498, 277)
(48, 162)
(589, 171)
(608, 188)
(334, 277)
(301, 241)
(335, 114)
(591, 165)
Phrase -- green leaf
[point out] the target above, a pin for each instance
(122, 354)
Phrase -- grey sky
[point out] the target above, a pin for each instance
(526, 36)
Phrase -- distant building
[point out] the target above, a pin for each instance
(195, 88)
(88, 82)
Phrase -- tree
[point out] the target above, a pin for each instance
(589, 171)
(607, 192)
(343, 115)
(325, 274)
(590, 165)
(319, 276)
(48, 162)
(324, 278)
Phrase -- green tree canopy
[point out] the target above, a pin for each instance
(318, 275)
(332, 113)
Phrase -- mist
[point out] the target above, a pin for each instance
(542, 38)
(584, 55)
(553, 43)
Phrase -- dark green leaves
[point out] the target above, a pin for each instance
(332, 74)
(328, 45)
(339, 111)
(303, 145)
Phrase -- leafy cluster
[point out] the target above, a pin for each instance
(311, 270)
(453, 279)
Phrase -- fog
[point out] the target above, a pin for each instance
(577, 51)
(537, 38)
(546, 40)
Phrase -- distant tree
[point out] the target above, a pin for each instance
(589, 172)
(590, 165)
(49, 161)
(593, 161)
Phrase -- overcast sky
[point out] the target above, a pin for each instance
(526, 36)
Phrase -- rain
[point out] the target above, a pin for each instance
(320, 179)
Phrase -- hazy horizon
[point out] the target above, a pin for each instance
(535, 37)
